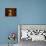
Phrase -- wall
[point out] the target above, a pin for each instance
(28, 12)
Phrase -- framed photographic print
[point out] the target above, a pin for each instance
(10, 11)
(32, 32)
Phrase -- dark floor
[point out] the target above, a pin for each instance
(32, 43)
(28, 43)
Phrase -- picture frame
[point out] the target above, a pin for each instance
(10, 12)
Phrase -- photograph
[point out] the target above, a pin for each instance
(10, 11)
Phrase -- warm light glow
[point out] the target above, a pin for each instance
(10, 12)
